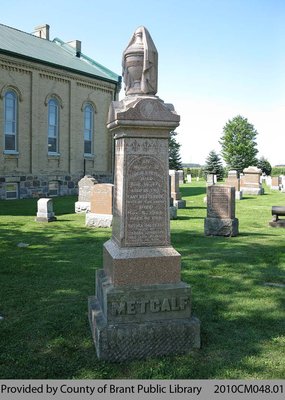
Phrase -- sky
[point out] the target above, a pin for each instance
(217, 59)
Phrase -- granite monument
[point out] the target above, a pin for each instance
(141, 307)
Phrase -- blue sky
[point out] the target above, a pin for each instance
(217, 58)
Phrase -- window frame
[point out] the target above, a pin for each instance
(54, 127)
(16, 191)
(53, 188)
(13, 121)
(88, 107)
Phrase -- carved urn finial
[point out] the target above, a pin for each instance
(140, 64)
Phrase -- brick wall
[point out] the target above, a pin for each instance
(32, 168)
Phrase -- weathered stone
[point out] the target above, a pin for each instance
(101, 208)
(172, 212)
(85, 187)
(45, 210)
(211, 179)
(221, 227)
(275, 183)
(234, 180)
(98, 220)
(141, 308)
(175, 192)
(221, 219)
(122, 342)
(250, 181)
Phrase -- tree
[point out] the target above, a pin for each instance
(214, 165)
(264, 165)
(174, 152)
(238, 144)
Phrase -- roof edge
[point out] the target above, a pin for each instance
(84, 57)
(57, 66)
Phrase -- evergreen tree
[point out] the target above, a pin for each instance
(214, 165)
(238, 144)
(174, 152)
(264, 165)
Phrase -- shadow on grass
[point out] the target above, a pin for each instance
(44, 290)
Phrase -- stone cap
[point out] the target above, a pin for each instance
(252, 170)
(142, 111)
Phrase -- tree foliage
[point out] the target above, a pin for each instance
(264, 165)
(239, 147)
(174, 152)
(214, 165)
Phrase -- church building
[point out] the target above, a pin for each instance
(54, 103)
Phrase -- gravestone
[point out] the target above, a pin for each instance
(250, 181)
(175, 192)
(181, 176)
(275, 183)
(189, 178)
(101, 208)
(141, 308)
(172, 208)
(221, 219)
(211, 179)
(283, 183)
(45, 210)
(234, 180)
(268, 180)
(85, 187)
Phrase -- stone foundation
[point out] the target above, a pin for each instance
(37, 186)
(82, 206)
(221, 227)
(98, 220)
(142, 321)
(252, 191)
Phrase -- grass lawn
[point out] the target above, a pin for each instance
(237, 294)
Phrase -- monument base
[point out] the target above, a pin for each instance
(252, 191)
(46, 219)
(221, 227)
(142, 321)
(172, 212)
(98, 220)
(280, 223)
(179, 203)
(82, 206)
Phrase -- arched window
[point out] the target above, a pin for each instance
(53, 127)
(88, 115)
(10, 121)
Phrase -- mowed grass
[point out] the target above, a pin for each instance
(236, 282)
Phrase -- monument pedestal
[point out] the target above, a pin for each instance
(141, 308)
(142, 321)
(98, 220)
(221, 227)
(82, 206)
(252, 191)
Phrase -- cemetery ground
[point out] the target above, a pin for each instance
(238, 293)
